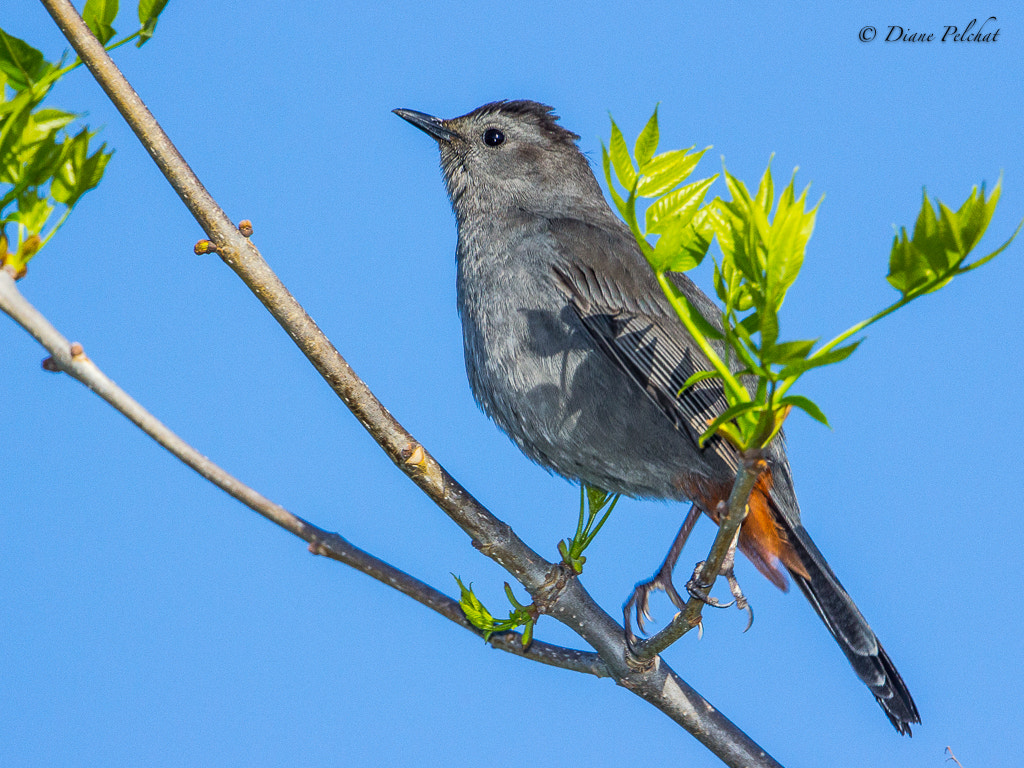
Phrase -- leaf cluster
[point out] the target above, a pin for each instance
(596, 506)
(936, 252)
(524, 616)
(46, 164)
(762, 239)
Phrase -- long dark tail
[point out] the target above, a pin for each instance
(851, 630)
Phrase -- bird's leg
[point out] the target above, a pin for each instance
(639, 600)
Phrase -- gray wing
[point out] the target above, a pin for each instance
(623, 309)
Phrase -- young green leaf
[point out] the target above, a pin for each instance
(149, 14)
(596, 497)
(678, 207)
(667, 170)
(99, 15)
(976, 213)
(47, 120)
(807, 406)
(790, 230)
(621, 162)
(697, 378)
(33, 212)
(680, 249)
(20, 62)
(616, 197)
(475, 612)
(765, 196)
(647, 142)
(996, 252)
(12, 129)
(835, 355)
(729, 414)
(908, 268)
(788, 351)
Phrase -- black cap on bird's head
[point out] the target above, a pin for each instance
(508, 153)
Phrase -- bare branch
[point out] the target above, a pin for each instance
(69, 357)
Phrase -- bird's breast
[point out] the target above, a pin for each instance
(535, 370)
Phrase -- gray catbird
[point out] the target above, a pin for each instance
(572, 349)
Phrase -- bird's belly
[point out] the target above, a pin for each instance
(540, 377)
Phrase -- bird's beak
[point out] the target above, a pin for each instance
(433, 126)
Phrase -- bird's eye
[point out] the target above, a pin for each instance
(493, 137)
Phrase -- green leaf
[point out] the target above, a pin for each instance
(677, 208)
(647, 142)
(996, 252)
(616, 197)
(721, 288)
(33, 212)
(32, 166)
(719, 222)
(790, 231)
(976, 213)
(908, 267)
(729, 414)
(807, 406)
(597, 498)
(17, 121)
(949, 231)
(745, 233)
(621, 162)
(99, 15)
(476, 613)
(765, 196)
(697, 378)
(679, 250)
(931, 240)
(788, 351)
(47, 120)
(79, 172)
(667, 170)
(835, 355)
(23, 64)
(149, 14)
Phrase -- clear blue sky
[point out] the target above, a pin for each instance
(147, 619)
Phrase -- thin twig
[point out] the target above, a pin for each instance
(551, 587)
(71, 359)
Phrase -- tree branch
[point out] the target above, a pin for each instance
(70, 358)
(553, 589)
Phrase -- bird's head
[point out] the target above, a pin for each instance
(510, 155)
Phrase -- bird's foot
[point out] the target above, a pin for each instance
(638, 603)
(701, 590)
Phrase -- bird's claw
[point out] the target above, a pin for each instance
(639, 604)
(738, 597)
(699, 590)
